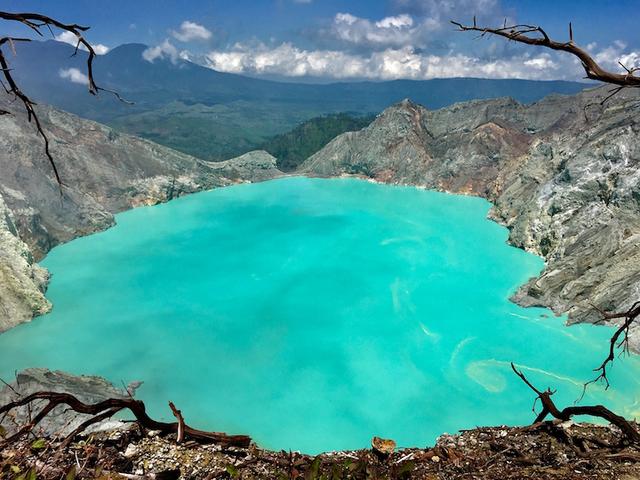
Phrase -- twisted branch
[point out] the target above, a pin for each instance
(108, 408)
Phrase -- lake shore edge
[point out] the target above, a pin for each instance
(124, 450)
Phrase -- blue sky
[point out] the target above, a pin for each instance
(375, 39)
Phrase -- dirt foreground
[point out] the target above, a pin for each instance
(544, 451)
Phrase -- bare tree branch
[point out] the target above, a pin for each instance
(535, 35)
(108, 408)
(549, 408)
(31, 113)
(36, 22)
(615, 343)
(178, 414)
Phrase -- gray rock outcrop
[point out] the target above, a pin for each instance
(104, 172)
(563, 175)
(61, 421)
(22, 281)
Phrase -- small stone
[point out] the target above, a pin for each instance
(383, 445)
(567, 425)
(131, 451)
(435, 459)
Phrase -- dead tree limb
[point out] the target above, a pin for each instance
(615, 343)
(112, 406)
(535, 35)
(178, 414)
(29, 105)
(549, 408)
(36, 22)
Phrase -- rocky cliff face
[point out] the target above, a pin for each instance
(104, 172)
(22, 281)
(563, 175)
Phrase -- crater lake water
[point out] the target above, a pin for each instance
(313, 314)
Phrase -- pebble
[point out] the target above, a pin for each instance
(131, 451)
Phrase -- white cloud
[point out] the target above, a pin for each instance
(190, 31)
(100, 49)
(346, 18)
(407, 45)
(617, 52)
(437, 13)
(391, 63)
(71, 39)
(74, 75)
(399, 21)
(443, 10)
(165, 50)
(395, 31)
(630, 60)
(543, 62)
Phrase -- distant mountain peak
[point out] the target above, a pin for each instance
(129, 47)
(130, 51)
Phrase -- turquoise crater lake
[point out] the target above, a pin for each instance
(313, 314)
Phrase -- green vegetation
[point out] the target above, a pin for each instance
(214, 132)
(294, 147)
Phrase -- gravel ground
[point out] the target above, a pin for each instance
(544, 451)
